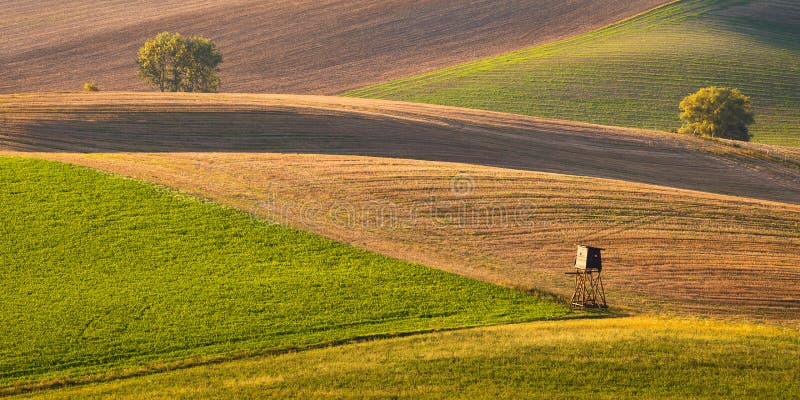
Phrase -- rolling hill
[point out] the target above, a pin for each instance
(585, 359)
(634, 73)
(107, 277)
(174, 245)
(305, 46)
(380, 175)
(148, 122)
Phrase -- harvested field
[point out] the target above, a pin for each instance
(669, 249)
(120, 122)
(306, 46)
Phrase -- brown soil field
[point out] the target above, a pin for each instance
(299, 46)
(669, 249)
(149, 122)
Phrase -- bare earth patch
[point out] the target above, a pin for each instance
(305, 46)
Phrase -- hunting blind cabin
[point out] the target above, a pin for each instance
(589, 290)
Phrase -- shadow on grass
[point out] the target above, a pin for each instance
(156, 368)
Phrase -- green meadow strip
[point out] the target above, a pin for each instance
(615, 358)
(634, 73)
(100, 273)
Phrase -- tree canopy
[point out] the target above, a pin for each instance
(176, 63)
(717, 112)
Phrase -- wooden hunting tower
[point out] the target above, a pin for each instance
(589, 290)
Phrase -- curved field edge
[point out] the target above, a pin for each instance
(668, 250)
(147, 122)
(634, 73)
(608, 359)
(102, 273)
(303, 46)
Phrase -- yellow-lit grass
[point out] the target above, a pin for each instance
(609, 359)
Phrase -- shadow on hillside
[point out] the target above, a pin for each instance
(557, 149)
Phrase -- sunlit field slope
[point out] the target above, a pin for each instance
(104, 276)
(668, 249)
(286, 46)
(153, 122)
(634, 73)
(589, 359)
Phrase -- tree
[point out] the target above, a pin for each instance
(90, 87)
(717, 112)
(179, 64)
(199, 66)
(158, 61)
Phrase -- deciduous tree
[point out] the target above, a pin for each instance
(175, 63)
(717, 112)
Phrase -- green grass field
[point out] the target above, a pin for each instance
(640, 358)
(107, 275)
(635, 73)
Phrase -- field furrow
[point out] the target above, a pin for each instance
(305, 46)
